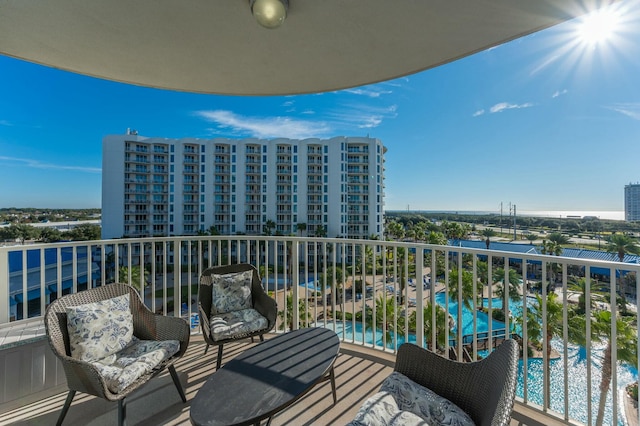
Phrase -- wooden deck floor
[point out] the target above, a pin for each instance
(359, 373)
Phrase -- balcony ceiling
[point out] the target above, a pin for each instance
(216, 46)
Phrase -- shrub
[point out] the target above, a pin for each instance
(632, 391)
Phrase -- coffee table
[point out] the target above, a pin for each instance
(267, 378)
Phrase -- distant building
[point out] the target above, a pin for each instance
(163, 187)
(632, 202)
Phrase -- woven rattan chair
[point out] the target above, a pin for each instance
(261, 302)
(81, 375)
(484, 389)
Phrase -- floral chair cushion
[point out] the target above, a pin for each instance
(139, 358)
(231, 292)
(236, 324)
(99, 329)
(382, 410)
(399, 394)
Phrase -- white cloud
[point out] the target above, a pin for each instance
(287, 103)
(370, 91)
(478, 113)
(36, 164)
(629, 109)
(558, 93)
(362, 116)
(266, 127)
(499, 107)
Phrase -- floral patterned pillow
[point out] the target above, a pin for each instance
(423, 402)
(99, 329)
(231, 292)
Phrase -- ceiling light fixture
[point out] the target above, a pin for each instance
(269, 13)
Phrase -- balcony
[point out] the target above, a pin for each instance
(409, 277)
(358, 374)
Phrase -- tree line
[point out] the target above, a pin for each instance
(22, 232)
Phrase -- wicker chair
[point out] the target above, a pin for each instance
(261, 302)
(81, 375)
(484, 389)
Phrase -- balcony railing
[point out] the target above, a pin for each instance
(379, 294)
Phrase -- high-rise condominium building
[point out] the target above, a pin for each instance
(162, 187)
(632, 202)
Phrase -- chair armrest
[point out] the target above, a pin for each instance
(173, 328)
(267, 306)
(148, 325)
(84, 377)
(205, 324)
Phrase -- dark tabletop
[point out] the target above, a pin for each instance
(266, 378)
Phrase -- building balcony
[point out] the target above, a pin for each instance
(409, 276)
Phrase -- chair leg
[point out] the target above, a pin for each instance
(262, 337)
(65, 408)
(219, 357)
(122, 412)
(251, 339)
(206, 349)
(176, 381)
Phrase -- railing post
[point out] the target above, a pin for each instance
(295, 272)
(419, 297)
(4, 286)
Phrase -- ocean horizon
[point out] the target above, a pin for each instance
(561, 214)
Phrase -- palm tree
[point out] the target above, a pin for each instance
(304, 316)
(531, 238)
(467, 287)
(321, 231)
(554, 246)
(514, 284)
(555, 243)
(123, 276)
(627, 351)
(336, 285)
(580, 285)
(554, 326)
(301, 227)
(488, 233)
(436, 237)
(482, 269)
(443, 332)
(268, 227)
(395, 229)
(621, 244)
(386, 311)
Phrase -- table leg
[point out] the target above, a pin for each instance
(332, 376)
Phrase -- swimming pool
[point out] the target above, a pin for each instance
(576, 364)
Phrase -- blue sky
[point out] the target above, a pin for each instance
(550, 121)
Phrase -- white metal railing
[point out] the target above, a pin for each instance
(378, 294)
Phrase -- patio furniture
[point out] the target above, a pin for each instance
(429, 388)
(233, 305)
(267, 378)
(110, 343)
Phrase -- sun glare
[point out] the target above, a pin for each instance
(598, 27)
